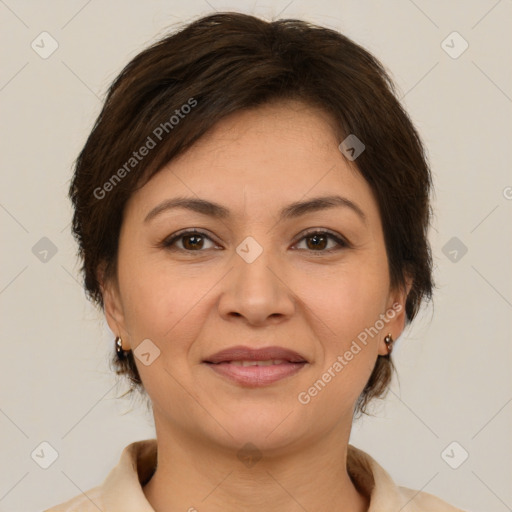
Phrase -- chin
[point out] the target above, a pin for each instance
(266, 427)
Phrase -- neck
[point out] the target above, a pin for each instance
(192, 475)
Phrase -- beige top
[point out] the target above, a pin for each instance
(122, 490)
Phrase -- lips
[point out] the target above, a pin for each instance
(241, 353)
(255, 368)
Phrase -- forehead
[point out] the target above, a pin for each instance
(274, 154)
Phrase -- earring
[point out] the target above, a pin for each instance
(388, 340)
(121, 353)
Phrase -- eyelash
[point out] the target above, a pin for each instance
(342, 243)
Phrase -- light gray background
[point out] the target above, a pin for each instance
(454, 364)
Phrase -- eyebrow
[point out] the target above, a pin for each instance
(293, 210)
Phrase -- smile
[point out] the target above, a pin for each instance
(256, 373)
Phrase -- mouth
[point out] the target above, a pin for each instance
(256, 367)
(269, 362)
(255, 374)
(243, 354)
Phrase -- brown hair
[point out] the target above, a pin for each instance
(173, 92)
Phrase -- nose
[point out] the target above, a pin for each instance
(258, 291)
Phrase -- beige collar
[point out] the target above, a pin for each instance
(123, 486)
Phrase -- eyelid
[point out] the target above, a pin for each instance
(339, 239)
(166, 242)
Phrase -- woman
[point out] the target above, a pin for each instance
(251, 209)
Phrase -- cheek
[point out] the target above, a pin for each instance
(352, 300)
(348, 309)
(165, 303)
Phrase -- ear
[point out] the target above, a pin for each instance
(394, 315)
(112, 305)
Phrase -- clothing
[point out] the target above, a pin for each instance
(122, 490)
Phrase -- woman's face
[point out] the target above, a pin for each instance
(257, 278)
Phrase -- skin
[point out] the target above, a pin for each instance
(198, 299)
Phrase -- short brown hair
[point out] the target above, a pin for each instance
(226, 62)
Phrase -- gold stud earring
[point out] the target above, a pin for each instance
(121, 353)
(388, 340)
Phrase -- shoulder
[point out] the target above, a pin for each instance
(417, 501)
(382, 492)
(91, 501)
(122, 488)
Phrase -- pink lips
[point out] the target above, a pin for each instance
(289, 363)
(241, 353)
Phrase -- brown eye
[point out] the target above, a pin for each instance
(191, 241)
(317, 241)
(194, 241)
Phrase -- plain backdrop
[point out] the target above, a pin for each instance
(444, 427)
